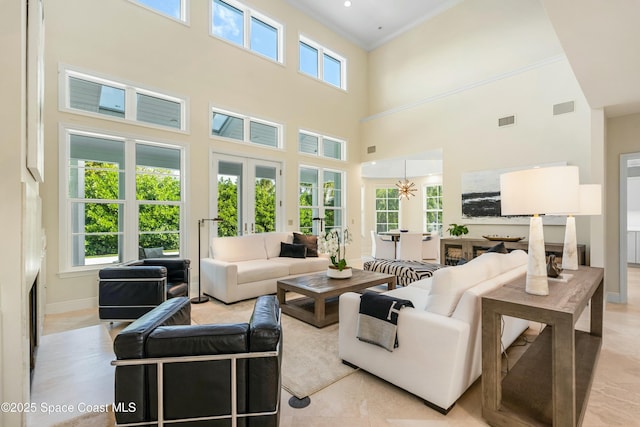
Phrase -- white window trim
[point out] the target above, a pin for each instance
(184, 11)
(375, 208)
(320, 206)
(130, 251)
(246, 124)
(424, 205)
(247, 14)
(321, 52)
(131, 90)
(321, 138)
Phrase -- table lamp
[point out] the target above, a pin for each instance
(539, 191)
(590, 204)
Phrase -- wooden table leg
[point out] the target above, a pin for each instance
(491, 358)
(319, 304)
(563, 373)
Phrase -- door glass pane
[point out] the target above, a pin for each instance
(308, 60)
(264, 39)
(308, 200)
(263, 134)
(227, 126)
(331, 70)
(230, 189)
(228, 22)
(265, 199)
(332, 189)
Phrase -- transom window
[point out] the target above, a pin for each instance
(116, 100)
(243, 26)
(387, 209)
(321, 196)
(122, 198)
(320, 145)
(246, 129)
(321, 63)
(433, 208)
(175, 9)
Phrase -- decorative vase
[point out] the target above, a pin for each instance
(334, 273)
(553, 270)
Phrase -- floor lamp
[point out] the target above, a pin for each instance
(201, 298)
(539, 191)
(590, 204)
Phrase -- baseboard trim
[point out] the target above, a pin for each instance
(614, 297)
(73, 305)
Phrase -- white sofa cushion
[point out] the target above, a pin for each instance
(272, 242)
(448, 284)
(239, 248)
(303, 265)
(415, 294)
(257, 270)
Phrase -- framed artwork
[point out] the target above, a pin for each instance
(481, 198)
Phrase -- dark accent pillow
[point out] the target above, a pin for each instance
(311, 243)
(499, 248)
(293, 250)
(153, 252)
(461, 261)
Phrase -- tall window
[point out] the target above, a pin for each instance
(247, 129)
(106, 222)
(109, 98)
(321, 195)
(243, 26)
(321, 63)
(433, 208)
(319, 145)
(387, 209)
(175, 9)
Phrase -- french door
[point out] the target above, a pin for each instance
(246, 195)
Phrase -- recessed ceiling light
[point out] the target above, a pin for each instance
(347, 3)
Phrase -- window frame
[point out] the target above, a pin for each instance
(426, 210)
(184, 11)
(320, 204)
(130, 203)
(321, 52)
(131, 93)
(321, 140)
(387, 198)
(246, 126)
(247, 14)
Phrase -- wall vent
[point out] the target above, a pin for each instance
(506, 121)
(371, 149)
(563, 108)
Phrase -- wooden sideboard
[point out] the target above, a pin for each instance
(550, 383)
(451, 250)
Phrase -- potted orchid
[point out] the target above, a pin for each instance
(334, 243)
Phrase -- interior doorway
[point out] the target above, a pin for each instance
(629, 220)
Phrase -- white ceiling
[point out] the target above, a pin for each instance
(371, 23)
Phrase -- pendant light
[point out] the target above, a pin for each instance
(406, 189)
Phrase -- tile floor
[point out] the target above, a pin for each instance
(75, 350)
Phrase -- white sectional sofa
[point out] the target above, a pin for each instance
(248, 266)
(439, 353)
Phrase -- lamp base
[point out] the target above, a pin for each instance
(536, 283)
(570, 250)
(199, 300)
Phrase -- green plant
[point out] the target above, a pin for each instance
(457, 229)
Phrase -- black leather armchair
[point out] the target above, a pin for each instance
(128, 291)
(201, 365)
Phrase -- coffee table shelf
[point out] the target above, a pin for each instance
(319, 304)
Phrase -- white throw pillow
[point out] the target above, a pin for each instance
(240, 248)
(272, 242)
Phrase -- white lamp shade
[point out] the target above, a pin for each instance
(590, 199)
(550, 191)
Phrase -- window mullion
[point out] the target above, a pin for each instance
(130, 217)
(247, 27)
(130, 106)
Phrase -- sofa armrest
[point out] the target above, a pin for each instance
(218, 278)
(196, 340)
(177, 268)
(430, 361)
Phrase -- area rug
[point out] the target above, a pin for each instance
(310, 359)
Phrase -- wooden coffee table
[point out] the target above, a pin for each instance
(319, 307)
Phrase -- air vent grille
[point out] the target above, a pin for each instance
(371, 149)
(506, 121)
(563, 108)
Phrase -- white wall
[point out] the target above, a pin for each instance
(105, 37)
(444, 84)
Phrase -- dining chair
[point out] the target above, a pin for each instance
(380, 248)
(410, 247)
(431, 247)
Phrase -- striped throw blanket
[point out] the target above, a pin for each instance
(405, 271)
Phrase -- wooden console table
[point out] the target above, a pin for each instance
(550, 383)
(451, 250)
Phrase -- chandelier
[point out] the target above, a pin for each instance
(406, 188)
